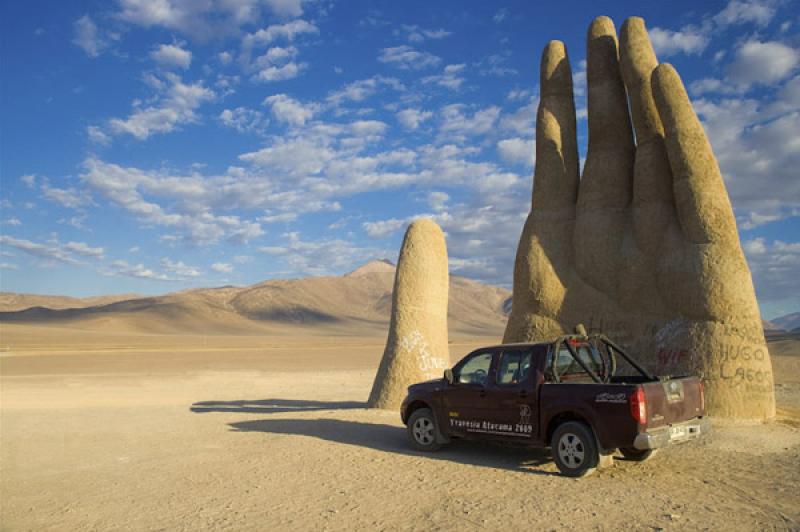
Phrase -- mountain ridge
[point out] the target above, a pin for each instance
(359, 300)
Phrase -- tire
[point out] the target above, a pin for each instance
(637, 455)
(574, 449)
(422, 430)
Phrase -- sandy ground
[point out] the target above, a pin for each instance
(272, 434)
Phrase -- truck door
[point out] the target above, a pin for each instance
(465, 401)
(514, 401)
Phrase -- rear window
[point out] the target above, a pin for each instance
(567, 366)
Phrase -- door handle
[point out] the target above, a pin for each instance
(482, 393)
(523, 393)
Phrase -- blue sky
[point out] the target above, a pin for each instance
(151, 146)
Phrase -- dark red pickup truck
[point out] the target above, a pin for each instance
(582, 396)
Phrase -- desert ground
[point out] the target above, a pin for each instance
(109, 430)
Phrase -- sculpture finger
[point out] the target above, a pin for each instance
(556, 174)
(704, 209)
(545, 250)
(653, 204)
(416, 348)
(606, 187)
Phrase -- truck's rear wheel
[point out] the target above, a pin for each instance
(574, 449)
(637, 455)
(422, 430)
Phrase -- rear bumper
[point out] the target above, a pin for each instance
(677, 433)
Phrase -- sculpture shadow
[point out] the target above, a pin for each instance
(272, 406)
(393, 439)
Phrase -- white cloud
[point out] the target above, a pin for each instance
(87, 37)
(449, 77)
(70, 197)
(280, 73)
(412, 118)
(179, 269)
(222, 267)
(758, 152)
(12, 221)
(759, 12)
(774, 266)
(277, 218)
(286, 8)
(763, 62)
(290, 111)
(383, 227)
(53, 250)
(97, 136)
(188, 202)
(175, 107)
(138, 271)
(243, 120)
(362, 89)
(688, 40)
(29, 180)
(522, 122)
(438, 200)
(85, 250)
(517, 151)
(456, 123)
(203, 20)
(288, 31)
(406, 57)
(172, 56)
(500, 15)
(416, 34)
(321, 257)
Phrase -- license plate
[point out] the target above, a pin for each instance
(676, 433)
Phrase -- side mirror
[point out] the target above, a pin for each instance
(448, 376)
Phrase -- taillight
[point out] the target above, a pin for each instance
(702, 396)
(639, 406)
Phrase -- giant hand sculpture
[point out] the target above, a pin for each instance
(644, 246)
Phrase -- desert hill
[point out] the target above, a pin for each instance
(789, 322)
(9, 301)
(356, 303)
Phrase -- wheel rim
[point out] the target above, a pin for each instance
(571, 450)
(423, 431)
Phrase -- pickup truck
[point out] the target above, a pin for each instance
(581, 395)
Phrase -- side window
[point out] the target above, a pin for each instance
(514, 368)
(474, 370)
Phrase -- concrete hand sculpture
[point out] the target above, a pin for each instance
(416, 349)
(644, 245)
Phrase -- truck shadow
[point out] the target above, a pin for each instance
(393, 439)
(272, 406)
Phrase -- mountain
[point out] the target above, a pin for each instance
(788, 322)
(10, 301)
(356, 303)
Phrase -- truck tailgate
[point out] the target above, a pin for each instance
(673, 401)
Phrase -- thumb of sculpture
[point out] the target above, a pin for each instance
(416, 349)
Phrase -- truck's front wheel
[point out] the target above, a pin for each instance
(422, 430)
(574, 449)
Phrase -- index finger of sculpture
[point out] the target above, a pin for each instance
(703, 206)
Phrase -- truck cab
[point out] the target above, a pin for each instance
(583, 396)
